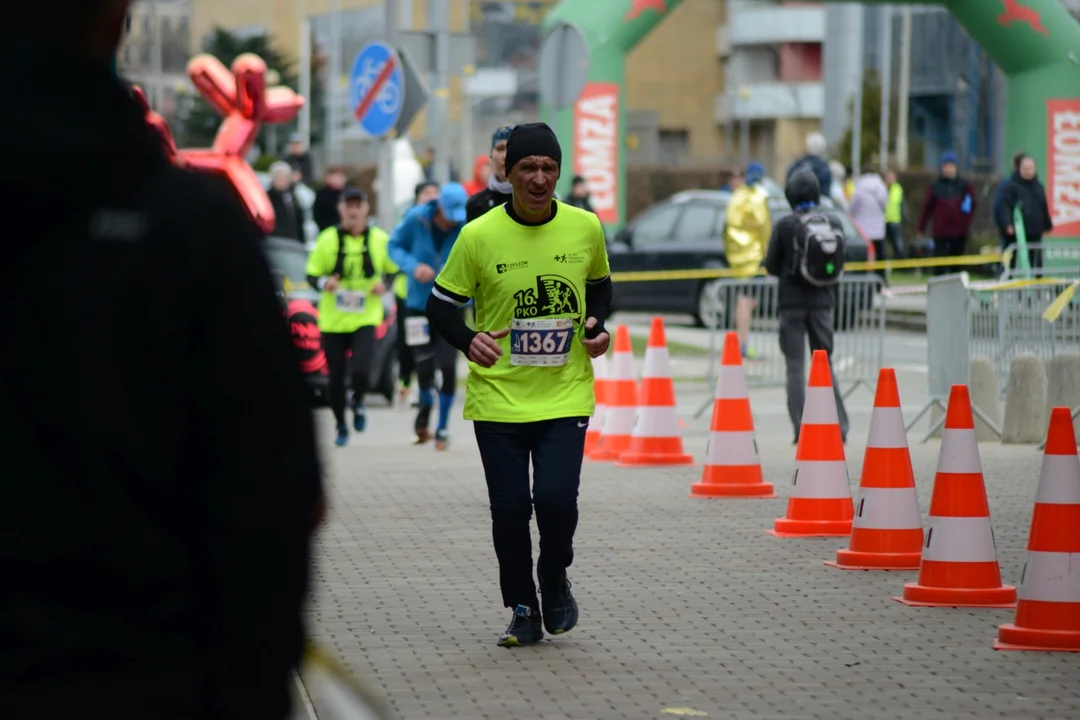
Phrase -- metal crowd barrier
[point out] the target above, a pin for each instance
(858, 324)
(1059, 258)
(1007, 321)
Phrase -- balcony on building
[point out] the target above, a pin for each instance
(770, 101)
(770, 23)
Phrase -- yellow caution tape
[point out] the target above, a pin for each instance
(716, 273)
(342, 692)
(1061, 302)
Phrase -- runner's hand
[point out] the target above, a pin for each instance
(331, 283)
(598, 345)
(378, 288)
(424, 273)
(483, 350)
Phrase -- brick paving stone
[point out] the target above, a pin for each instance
(686, 603)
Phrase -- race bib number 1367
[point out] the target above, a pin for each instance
(545, 342)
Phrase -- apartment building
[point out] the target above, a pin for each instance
(155, 52)
(774, 91)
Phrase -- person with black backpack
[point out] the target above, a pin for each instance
(806, 255)
(349, 264)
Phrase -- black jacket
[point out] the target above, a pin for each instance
(289, 217)
(781, 255)
(160, 468)
(483, 201)
(325, 209)
(1030, 196)
(582, 203)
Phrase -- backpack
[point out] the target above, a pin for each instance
(339, 265)
(819, 250)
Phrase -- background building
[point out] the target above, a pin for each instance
(155, 52)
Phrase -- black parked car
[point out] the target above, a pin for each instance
(685, 232)
(288, 262)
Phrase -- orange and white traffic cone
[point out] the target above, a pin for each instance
(657, 439)
(1048, 610)
(819, 504)
(620, 401)
(887, 531)
(596, 422)
(732, 464)
(959, 558)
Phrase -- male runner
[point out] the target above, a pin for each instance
(498, 190)
(420, 246)
(424, 193)
(348, 265)
(538, 271)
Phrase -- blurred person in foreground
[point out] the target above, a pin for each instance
(806, 254)
(163, 482)
(747, 227)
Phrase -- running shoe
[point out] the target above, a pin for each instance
(442, 439)
(342, 438)
(560, 609)
(525, 628)
(359, 419)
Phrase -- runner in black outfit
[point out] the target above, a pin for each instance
(498, 191)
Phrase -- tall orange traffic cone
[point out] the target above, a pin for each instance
(887, 532)
(656, 439)
(819, 504)
(620, 401)
(732, 464)
(596, 422)
(1048, 611)
(959, 558)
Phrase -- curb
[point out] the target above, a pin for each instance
(905, 320)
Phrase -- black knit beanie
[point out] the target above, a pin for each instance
(532, 139)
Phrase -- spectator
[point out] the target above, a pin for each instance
(481, 174)
(867, 209)
(836, 191)
(735, 180)
(579, 194)
(1028, 194)
(849, 183)
(814, 161)
(948, 209)
(999, 195)
(747, 226)
(327, 197)
(806, 310)
(895, 215)
(288, 212)
(299, 159)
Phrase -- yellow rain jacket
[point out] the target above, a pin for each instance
(747, 228)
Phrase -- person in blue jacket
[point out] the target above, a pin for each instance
(419, 247)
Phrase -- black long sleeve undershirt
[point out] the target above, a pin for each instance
(598, 304)
(448, 320)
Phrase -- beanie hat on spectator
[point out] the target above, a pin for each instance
(949, 157)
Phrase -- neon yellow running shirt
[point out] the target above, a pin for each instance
(532, 280)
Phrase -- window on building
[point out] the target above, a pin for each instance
(674, 146)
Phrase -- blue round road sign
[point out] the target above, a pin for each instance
(384, 109)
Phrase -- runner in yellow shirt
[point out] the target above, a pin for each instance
(538, 272)
(348, 264)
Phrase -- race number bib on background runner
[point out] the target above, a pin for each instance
(351, 301)
(417, 331)
(545, 342)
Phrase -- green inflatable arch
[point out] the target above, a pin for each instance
(1035, 42)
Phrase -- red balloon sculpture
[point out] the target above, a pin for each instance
(242, 98)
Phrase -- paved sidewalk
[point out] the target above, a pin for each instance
(686, 603)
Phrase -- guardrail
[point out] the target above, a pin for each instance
(858, 322)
